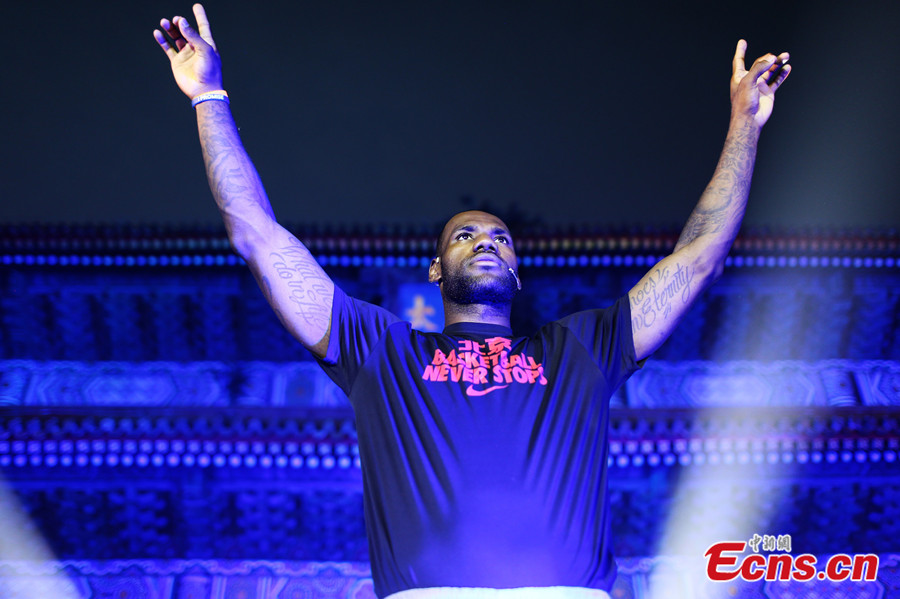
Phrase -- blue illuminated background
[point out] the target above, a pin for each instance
(162, 437)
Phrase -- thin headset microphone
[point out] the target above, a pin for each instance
(516, 277)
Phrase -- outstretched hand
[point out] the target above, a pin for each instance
(753, 91)
(192, 54)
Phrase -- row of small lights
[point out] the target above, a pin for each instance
(174, 453)
(343, 456)
(699, 452)
(401, 242)
(423, 261)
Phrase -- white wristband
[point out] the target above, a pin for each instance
(219, 94)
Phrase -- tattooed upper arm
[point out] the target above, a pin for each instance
(297, 288)
(663, 296)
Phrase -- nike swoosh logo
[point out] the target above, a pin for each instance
(471, 390)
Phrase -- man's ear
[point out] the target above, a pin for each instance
(434, 271)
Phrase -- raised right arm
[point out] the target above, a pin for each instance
(290, 277)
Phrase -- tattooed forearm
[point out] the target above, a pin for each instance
(232, 178)
(721, 207)
(663, 289)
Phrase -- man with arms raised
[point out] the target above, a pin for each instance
(483, 453)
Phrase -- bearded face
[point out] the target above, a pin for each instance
(476, 255)
(470, 282)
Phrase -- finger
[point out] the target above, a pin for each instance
(173, 32)
(203, 25)
(164, 43)
(781, 77)
(170, 29)
(737, 65)
(188, 32)
(761, 65)
(774, 72)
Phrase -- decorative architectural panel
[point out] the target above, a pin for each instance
(689, 384)
(221, 579)
(166, 384)
(152, 406)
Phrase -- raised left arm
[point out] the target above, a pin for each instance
(665, 294)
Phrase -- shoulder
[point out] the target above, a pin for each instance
(602, 331)
(618, 309)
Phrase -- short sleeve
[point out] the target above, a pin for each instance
(608, 337)
(356, 327)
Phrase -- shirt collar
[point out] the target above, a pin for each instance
(477, 329)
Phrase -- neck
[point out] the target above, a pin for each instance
(483, 313)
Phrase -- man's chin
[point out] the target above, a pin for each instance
(487, 288)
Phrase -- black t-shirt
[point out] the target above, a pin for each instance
(483, 454)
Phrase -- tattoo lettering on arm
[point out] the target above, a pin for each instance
(661, 291)
(303, 284)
